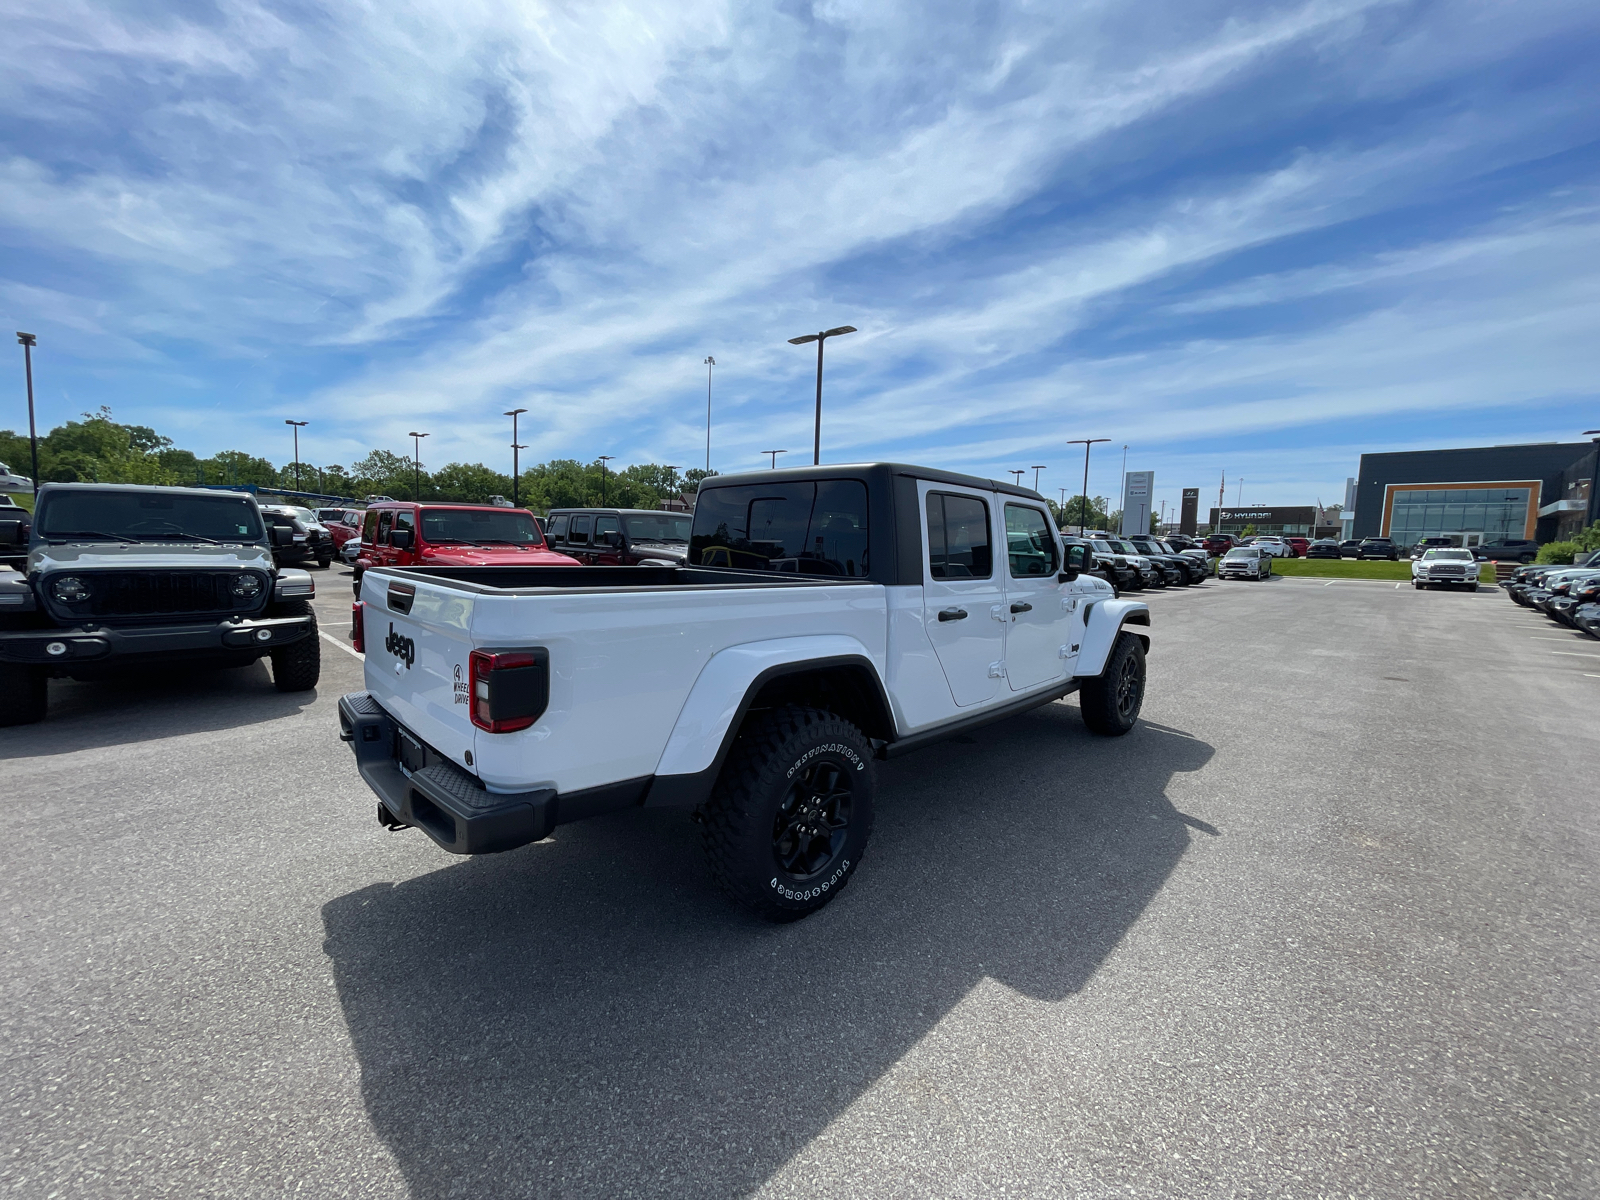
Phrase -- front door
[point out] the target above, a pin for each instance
(578, 538)
(962, 593)
(605, 554)
(1042, 617)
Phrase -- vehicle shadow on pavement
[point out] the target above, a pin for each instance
(151, 703)
(587, 1017)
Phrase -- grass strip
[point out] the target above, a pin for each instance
(1354, 568)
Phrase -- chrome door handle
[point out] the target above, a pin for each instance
(952, 614)
(1021, 607)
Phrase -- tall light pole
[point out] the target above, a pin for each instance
(516, 463)
(819, 339)
(604, 459)
(416, 462)
(1036, 469)
(298, 426)
(710, 362)
(1018, 474)
(672, 473)
(1083, 509)
(28, 342)
(774, 454)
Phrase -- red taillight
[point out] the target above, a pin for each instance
(509, 688)
(358, 629)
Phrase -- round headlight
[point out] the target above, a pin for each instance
(247, 586)
(69, 589)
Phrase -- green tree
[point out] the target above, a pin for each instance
(470, 483)
(1074, 514)
(1248, 531)
(693, 478)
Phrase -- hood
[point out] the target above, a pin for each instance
(150, 556)
(661, 549)
(494, 556)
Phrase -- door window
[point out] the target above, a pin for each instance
(1030, 545)
(605, 525)
(580, 531)
(369, 530)
(958, 537)
(406, 521)
(558, 529)
(385, 520)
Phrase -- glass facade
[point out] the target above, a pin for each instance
(1492, 513)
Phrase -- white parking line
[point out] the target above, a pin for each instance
(1574, 654)
(1536, 638)
(350, 650)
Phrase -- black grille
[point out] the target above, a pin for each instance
(160, 593)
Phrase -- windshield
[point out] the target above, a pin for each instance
(1243, 552)
(1448, 555)
(474, 526)
(1104, 547)
(1124, 548)
(148, 516)
(665, 527)
(809, 528)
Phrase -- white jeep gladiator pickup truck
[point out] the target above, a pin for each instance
(827, 617)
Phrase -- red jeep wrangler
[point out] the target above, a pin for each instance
(403, 534)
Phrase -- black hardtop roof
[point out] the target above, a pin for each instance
(162, 489)
(861, 471)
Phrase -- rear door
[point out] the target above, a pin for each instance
(1042, 621)
(963, 596)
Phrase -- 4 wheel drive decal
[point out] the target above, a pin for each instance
(402, 647)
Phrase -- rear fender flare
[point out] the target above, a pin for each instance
(1106, 620)
(731, 680)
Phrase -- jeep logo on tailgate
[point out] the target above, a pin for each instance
(400, 646)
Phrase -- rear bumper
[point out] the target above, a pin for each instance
(449, 805)
(140, 643)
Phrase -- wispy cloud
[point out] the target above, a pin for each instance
(1180, 222)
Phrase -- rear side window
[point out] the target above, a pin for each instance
(369, 531)
(1030, 546)
(958, 537)
(385, 521)
(808, 528)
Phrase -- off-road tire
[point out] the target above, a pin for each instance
(1111, 700)
(1416, 584)
(323, 560)
(24, 694)
(759, 800)
(297, 666)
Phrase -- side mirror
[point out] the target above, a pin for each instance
(281, 535)
(400, 539)
(1079, 559)
(613, 539)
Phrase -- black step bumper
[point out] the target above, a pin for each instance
(444, 801)
(64, 647)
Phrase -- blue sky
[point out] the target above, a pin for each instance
(1253, 239)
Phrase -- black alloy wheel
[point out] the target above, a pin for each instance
(1110, 701)
(811, 824)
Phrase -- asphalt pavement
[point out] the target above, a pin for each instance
(1323, 925)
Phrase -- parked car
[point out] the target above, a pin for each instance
(343, 525)
(1180, 570)
(1181, 542)
(14, 547)
(121, 577)
(1299, 545)
(1219, 543)
(1573, 596)
(1150, 575)
(1506, 549)
(1323, 548)
(1245, 562)
(403, 533)
(626, 537)
(1587, 618)
(1431, 543)
(310, 540)
(1379, 547)
(756, 696)
(1350, 548)
(1124, 571)
(10, 482)
(1271, 543)
(1093, 564)
(1447, 567)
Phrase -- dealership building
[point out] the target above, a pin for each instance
(1547, 492)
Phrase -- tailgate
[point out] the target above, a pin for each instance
(418, 640)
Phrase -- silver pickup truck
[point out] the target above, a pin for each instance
(828, 617)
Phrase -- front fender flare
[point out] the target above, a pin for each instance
(1107, 619)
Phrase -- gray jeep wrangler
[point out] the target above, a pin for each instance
(118, 576)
